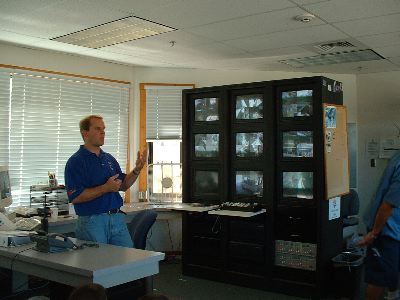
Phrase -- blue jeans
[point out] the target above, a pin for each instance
(382, 264)
(104, 228)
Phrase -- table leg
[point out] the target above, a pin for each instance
(148, 283)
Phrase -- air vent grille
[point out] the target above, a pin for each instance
(333, 58)
(327, 47)
(115, 32)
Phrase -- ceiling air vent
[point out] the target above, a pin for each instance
(115, 32)
(333, 58)
(327, 47)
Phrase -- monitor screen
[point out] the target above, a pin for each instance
(249, 107)
(205, 183)
(297, 104)
(206, 109)
(206, 145)
(5, 188)
(298, 185)
(249, 183)
(249, 144)
(297, 144)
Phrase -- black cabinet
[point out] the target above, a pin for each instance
(264, 143)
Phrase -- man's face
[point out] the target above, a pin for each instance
(96, 133)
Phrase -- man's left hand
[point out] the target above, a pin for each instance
(141, 159)
(367, 240)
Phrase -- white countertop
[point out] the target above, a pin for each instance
(236, 213)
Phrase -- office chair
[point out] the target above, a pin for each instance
(350, 208)
(140, 226)
(350, 205)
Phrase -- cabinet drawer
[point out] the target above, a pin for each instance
(204, 251)
(204, 225)
(296, 225)
(205, 246)
(248, 252)
(252, 231)
(246, 258)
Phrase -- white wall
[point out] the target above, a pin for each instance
(378, 110)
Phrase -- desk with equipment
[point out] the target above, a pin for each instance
(118, 265)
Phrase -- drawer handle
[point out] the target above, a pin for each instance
(295, 235)
(294, 218)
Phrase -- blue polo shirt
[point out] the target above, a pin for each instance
(84, 170)
(388, 191)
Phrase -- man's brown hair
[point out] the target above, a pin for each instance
(84, 124)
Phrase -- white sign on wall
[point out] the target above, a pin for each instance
(334, 208)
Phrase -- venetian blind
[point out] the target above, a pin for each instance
(44, 129)
(164, 111)
(4, 116)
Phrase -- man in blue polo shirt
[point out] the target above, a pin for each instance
(93, 179)
(383, 239)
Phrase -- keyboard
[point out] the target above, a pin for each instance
(241, 206)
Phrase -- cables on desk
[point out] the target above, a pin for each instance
(214, 228)
(16, 255)
(170, 237)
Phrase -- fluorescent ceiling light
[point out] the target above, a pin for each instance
(115, 32)
(333, 58)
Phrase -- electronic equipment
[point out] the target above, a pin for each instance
(14, 238)
(5, 223)
(249, 183)
(53, 243)
(241, 206)
(206, 182)
(28, 224)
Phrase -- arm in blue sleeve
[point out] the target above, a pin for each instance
(74, 178)
(392, 196)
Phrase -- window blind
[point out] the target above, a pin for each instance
(4, 116)
(44, 126)
(164, 111)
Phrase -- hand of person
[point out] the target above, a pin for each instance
(367, 239)
(113, 183)
(141, 160)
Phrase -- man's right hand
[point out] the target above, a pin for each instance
(113, 183)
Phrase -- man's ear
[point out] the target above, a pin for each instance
(84, 134)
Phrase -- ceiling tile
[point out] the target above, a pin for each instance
(363, 67)
(381, 40)
(189, 13)
(57, 46)
(344, 10)
(58, 19)
(187, 47)
(12, 37)
(121, 58)
(304, 2)
(134, 7)
(389, 51)
(395, 60)
(254, 25)
(281, 53)
(304, 36)
(370, 26)
(11, 8)
(181, 38)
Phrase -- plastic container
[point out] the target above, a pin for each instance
(348, 274)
